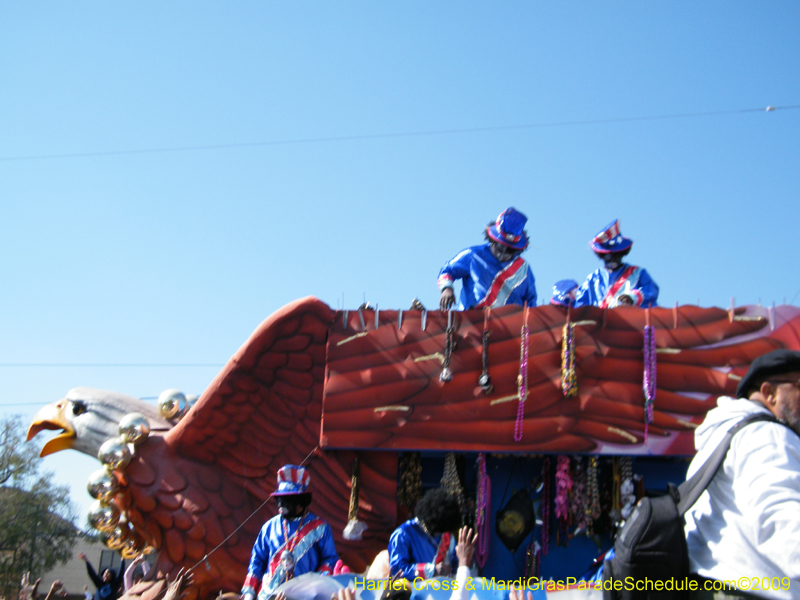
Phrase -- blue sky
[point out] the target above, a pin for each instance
(172, 173)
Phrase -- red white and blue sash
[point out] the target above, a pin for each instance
(428, 570)
(624, 286)
(298, 544)
(505, 282)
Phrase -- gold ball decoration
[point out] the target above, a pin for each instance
(103, 485)
(115, 539)
(172, 404)
(133, 546)
(102, 516)
(134, 428)
(114, 454)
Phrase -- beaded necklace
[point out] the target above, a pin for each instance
(569, 382)
(288, 559)
(563, 487)
(483, 518)
(649, 383)
(449, 345)
(452, 483)
(485, 381)
(594, 492)
(428, 533)
(522, 380)
(546, 500)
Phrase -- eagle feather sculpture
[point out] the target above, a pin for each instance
(326, 387)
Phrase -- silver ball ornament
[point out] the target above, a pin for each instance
(134, 428)
(133, 546)
(103, 485)
(114, 454)
(116, 538)
(171, 404)
(191, 400)
(102, 516)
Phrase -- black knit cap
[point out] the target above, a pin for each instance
(772, 363)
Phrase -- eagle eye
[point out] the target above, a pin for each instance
(78, 408)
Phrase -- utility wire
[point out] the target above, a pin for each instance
(242, 524)
(36, 402)
(377, 136)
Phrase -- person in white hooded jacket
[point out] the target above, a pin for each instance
(745, 528)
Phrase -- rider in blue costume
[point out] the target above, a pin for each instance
(616, 283)
(492, 274)
(425, 546)
(564, 292)
(292, 543)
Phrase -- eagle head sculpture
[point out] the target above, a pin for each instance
(88, 417)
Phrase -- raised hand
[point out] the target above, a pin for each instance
(343, 594)
(515, 594)
(465, 548)
(56, 589)
(174, 589)
(28, 590)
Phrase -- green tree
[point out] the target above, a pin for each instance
(37, 518)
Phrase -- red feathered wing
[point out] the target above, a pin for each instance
(194, 487)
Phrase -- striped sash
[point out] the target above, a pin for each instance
(504, 283)
(615, 290)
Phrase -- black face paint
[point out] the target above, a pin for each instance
(503, 253)
(612, 261)
(289, 507)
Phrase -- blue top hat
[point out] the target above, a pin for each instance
(610, 240)
(292, 480)
(509, 229)
(564, 292)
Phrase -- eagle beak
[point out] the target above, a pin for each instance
(52, 418)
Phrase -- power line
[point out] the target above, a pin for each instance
(36, 402)
(377, 136)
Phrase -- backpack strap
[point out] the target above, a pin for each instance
(691, 489)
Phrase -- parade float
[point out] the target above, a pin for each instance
(547, 422)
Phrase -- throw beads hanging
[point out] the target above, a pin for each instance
(451, 482)
(579, 498)
(522, 380)
(594, 490)
(627, 491)
(649, 384)
(483, 518)
(533, 560)
(563, 488)
(409, 489)
(545, 505)
(449, 346)
(354, 528)
(352, 512)
(569, 381)
(485, 381)
(615, 514)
